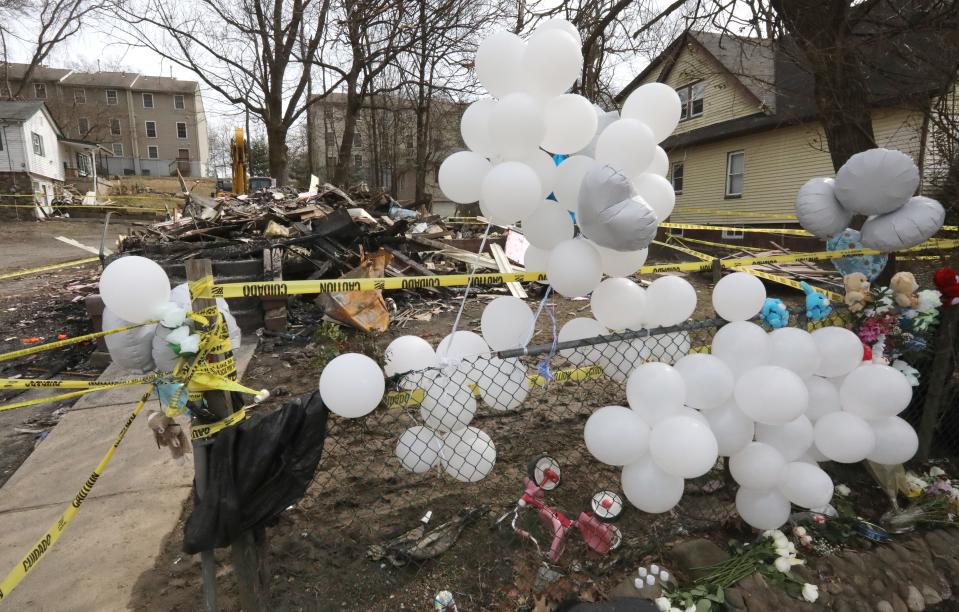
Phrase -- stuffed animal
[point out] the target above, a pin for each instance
(857, 291)
(774, 313)
(947, 282)
(817, 304)
(904, 287)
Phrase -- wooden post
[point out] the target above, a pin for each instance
(717, 270)
(244, 552)
(939, 373)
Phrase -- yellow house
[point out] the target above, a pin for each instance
(748, 138)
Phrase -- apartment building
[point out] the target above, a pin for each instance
(153, 125)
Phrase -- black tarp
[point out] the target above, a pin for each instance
(256, 470)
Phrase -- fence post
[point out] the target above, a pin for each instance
(245, 553)
(939, 372)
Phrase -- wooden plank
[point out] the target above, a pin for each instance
(503, 265)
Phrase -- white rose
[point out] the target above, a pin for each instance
(799, 531)
(936, 471)
(783, 564)
(662, 604)
(842, 490)
(810, 592)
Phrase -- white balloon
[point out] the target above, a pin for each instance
(791, 439)
(408, 353)
(620, 263)
(618, 303)
(574, 268)
(507, 323)
(657, 192)
(461, 175)
(742, 346)
(806, 485)
(570, 124)
(762, 508)
(569, 178)
(516, 125)
(454, 347)
(771, 395)
(468, 455)
(498, 63)
(503, 383)
(132, 349)
(545, 168)
(474, 127)
(840, 351)
(738, 296)
(649, 488)
(709, 381)
(580, 329)
(616, 435)
(823, 398)
(896, 441)
(447, 405)
(875, 391)
(657, 105)
(549, 225)
(559, 23)
(794, 349)
(622, 356)
(669, 348)
(536, 259)
(756, 466)
(551, 63)
(844, 437)
(418, 449)
(683, 446)
(134, 287)
(352, 385)
(509, 192)
(660, 164)
(670, 300)
(654, 390)
(733, 429)
(627, 145)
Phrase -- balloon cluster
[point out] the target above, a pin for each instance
(774, 403)
(879, 184)
(510, 171)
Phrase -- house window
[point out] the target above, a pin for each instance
(148, 100)
(691, 97)
(735, 170)
(180, 129)
(357, 160)
(178, 103)
(115, 127)
(330, 140)
(153, 152)
(357, 139)
(37, 144)
(112, 97)
(118, 149)
(40, 90)
(151, 127)
(677, 177)
(733, 233)
(80, 96)
(183, 153)
(84, 126)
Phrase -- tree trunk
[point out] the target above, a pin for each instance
(344, 165)
(278, 152)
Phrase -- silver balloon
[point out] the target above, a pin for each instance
(131, 349)
(876, 181)
(818, 210)
(912, 224)
(611, 214)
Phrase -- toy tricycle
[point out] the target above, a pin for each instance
(543, 474)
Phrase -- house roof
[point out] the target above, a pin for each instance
(19, 111)
(41, 73)
(124, 80)
(101, 79)
(159, 83)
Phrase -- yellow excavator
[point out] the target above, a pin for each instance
(241, 183)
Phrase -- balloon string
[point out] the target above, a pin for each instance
(466, 292)
(539, 310)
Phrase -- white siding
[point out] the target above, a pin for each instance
(11, 158)
(50, 164)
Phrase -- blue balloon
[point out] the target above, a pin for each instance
(870, 265)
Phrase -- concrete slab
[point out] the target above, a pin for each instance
(121, 525)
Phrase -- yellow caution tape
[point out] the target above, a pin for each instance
(54, 398)
(41, 383)
(200, 432)
(718, 244)
(36, 554)
(762, 230)
(61, 343)
(698, 255)
(733, 213)
(86, 206)
(202, 381)
(57, 266)
(782, 280)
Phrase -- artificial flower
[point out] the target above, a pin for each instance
(806, 540)
(936, 471)
(810, 592)
(911, 373)
(663, 604)
(842, 490)
(929, 300)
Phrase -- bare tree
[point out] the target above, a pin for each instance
(254, 54)
(41, 25)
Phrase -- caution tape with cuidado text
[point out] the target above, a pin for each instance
(29, 561)
(61, 343)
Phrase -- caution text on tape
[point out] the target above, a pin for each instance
(201, 432)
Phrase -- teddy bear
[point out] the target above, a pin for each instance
(947, 282)
(857, 291)
(904, 287)
(774, 313)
